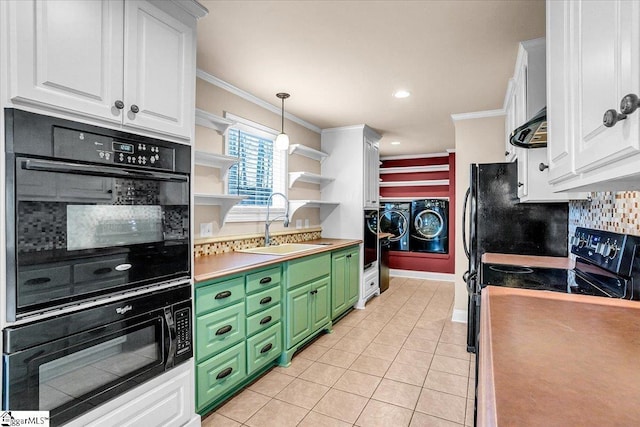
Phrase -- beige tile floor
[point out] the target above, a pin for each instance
(400, 362)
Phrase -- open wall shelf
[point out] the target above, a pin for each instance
(212, 121)
(325, 207)
(226, 202)
(309, 152)
(308, 177)
(218, 161)
(414, 169)
(432, 182)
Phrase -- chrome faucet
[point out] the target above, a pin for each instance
(267, 223)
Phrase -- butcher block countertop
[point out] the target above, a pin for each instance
(528, 260)
(552, 359)
(215, 266)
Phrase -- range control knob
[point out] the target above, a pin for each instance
(582, 242)
(603, 249)
(575, 240)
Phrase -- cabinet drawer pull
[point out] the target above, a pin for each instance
(265, 300)
(266, 348)
(542, 167)
(265, 280)
(103, 270)
(223, 295)
(224, 373)
(38, 281)
(224, 330)
(266, 320)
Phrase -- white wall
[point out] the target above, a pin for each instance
(478, 140)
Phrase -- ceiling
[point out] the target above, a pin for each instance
(341, 61)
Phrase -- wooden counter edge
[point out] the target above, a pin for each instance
(267, 260)
(486, 404)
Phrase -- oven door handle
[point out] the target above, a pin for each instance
(171, 334)
(115, 172)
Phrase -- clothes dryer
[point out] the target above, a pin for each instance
(395, 218)
(429, 231)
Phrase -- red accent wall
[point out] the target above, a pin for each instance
(420, 261)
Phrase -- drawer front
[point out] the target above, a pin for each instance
(263, 348)
(308, 268)
(263, 279)
(219, 374)
(263, 319)
(263, 299)
(221, 294)
(219, 330)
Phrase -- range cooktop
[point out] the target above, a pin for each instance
(545, 279)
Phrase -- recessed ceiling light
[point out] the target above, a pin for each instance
(401, 94)
(395, 142)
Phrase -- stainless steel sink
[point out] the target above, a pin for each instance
(285, 249)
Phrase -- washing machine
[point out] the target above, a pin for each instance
(429, 231)
(395, 218)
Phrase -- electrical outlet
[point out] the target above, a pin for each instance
(306, 223)
(298, 223)
(206, 229)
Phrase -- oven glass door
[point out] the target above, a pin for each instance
(87, 230)
(73, 375)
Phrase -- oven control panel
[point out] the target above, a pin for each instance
(85, 146)
(611, 251)
(183, 330)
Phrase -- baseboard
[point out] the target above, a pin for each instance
(459, 316)
(447, 277)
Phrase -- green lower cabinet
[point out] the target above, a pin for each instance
(308, 310)
(345, 280)
(298, 321)
(321, 303)
(263, 348)
(218, 330)
(220, 374)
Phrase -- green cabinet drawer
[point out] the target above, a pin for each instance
(219, 330)
(220, 374)
(263, 319)
(263, 348)
(219, 294)
(302, 270)
(263, 279)
(263, 299)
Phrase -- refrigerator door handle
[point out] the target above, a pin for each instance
(465, 244)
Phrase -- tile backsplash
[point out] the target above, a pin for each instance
(230, 244)
(618, 212)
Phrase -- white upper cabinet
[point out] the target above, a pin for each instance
(64, 54)
(594, 61)
(372, 172)
(125, 63)
(526, 97)
(159, 70)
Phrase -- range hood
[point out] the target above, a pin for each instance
(532, 134)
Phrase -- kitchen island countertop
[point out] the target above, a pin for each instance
(214, 266)
(552, 359)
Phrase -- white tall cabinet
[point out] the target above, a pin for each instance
(125, 63)
(593, 63)
(353, 161)
(121, 64)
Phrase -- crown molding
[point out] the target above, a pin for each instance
(478, 115)
(253, 99)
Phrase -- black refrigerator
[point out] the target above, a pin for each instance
(497, 222)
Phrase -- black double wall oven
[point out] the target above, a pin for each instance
(93, 216)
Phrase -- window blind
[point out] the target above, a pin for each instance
(260, 170)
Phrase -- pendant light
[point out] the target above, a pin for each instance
(282, 140)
